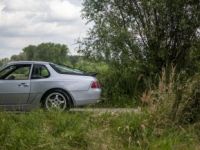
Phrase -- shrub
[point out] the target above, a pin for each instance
(175, 98)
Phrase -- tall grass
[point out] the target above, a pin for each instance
(174, 98)
(80, 131)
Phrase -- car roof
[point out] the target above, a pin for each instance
(28, 62)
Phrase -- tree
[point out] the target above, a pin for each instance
(19, 57)
(156, 33)
(3, 61)
(47, 52)
(44, 52)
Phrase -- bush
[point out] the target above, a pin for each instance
(121, 85)
(174, 98)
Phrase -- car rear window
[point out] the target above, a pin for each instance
(40, 72)
(65, 70)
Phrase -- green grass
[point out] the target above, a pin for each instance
(118, 102)
(99, 131)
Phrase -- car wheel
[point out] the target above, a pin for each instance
(56, 100)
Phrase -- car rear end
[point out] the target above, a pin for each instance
(90, 96)
(83, 87)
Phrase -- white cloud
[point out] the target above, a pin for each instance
(63, 10)
(24, 22)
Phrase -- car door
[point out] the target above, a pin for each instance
(15, 84)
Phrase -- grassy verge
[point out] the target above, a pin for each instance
(118, 102)
(74, 130)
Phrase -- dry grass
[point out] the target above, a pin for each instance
(173, 99)
(160, 98)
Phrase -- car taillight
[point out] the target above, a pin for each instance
(95, 85)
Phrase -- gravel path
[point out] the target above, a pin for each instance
(105, 110)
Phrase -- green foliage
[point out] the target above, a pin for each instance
(56, 53)
(138, 38)
(41, 130)
(158, 32)
(55, 130)
(120, 86)
(92, 66)
(3, 61)
(191, 109)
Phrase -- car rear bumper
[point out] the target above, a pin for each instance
(81, 98)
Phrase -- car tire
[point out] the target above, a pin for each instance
(56, 100)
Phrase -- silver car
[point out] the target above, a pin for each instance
(25, 85)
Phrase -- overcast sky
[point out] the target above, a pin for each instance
(25, 22)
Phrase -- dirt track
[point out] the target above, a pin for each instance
(105, 110)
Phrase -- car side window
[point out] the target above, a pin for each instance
(16, 72)
(40, 72)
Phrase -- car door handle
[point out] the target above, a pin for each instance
(23, 85)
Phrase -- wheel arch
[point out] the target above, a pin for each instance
(71, 100)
